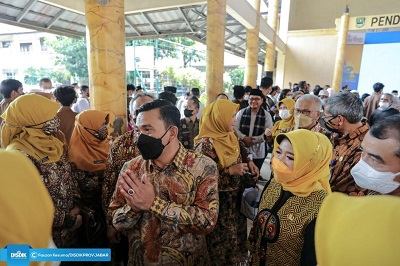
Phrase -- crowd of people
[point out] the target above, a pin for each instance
(169, 190)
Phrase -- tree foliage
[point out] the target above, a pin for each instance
(33, 75)
(237, 75)
(174, 47)
(72, 54)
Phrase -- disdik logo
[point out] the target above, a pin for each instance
(18, 255)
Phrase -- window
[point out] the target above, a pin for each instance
(6, 44)
(10, 73)
(43, 46)
(25, 47)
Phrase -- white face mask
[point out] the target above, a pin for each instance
(367, 177)
(383, 105)
(284, 114)
(246, 97)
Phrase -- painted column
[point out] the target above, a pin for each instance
(105, 22)
(272, 19)
(216, 12)
(340, 52)
(250, 71)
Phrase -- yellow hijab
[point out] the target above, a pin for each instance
(284, 123)
(215, 120)
(312, 155)
(26, 206)
(30, 110)
(358, 230)
(86, 151)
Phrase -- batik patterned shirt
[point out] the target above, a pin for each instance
(346, 154)
(185, 209)
(122, 150)
(64, 192)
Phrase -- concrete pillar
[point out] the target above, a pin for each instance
(105, 22)
(272, 19)
(216, 12)
(340, 52)
(250, 71)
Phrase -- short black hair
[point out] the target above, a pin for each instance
(169, 114)
(168, 96)
(302, 84)
(238, 91)
(84, 87)
(395, 91)
(386, 128)
(196, 102)
(365, 95)
(274, 88)
(9, 85)
(138, 88)
(44, 80)
(266, 82)
(74, 84)
(247, 89)
(316, 90)
(378, 87)
(283, 94)
(65, 95)
(130, 87)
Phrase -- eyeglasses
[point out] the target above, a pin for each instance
(304, 112)
(331, 117)
(254, 99)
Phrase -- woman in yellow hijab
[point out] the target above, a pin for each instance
(358, 231)
(286, 124)
(26, 206)
(30, 126)
(283, 231)
(217, 140)
(89, 147)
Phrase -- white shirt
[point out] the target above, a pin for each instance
(258, 149)
(81, 104)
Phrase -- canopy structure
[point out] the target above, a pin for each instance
(143, 20)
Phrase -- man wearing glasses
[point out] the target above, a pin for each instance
(343, 114)
(307, 112)
(250, 125)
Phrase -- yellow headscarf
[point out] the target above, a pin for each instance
(358, 230)
(29, 110)
(26, 206)
(284, 123)
(215, 120)
(312, 155)
(86, 151)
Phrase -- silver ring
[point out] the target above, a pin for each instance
(131, 191)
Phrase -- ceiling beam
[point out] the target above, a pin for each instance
(243, 12)
(132, 26)
(151, 23)
(185, 18)
(56, 17)
(26, 9)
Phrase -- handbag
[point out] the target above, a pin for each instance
(93, 224)
(249, 203)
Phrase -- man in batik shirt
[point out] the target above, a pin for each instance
(122, 150)
(343, 114)
(167, 199)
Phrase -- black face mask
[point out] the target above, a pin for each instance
(188, 113)
(150, 148)
(330, 127)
